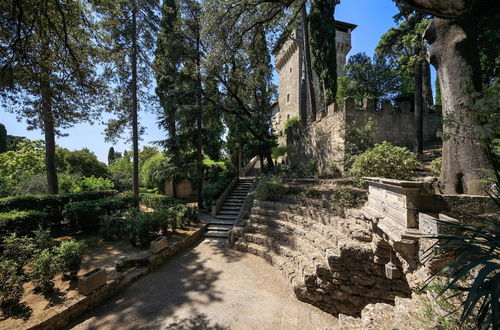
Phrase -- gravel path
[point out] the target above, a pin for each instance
(208, 287)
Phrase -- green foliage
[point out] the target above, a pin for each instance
(43, 269)
(18, 249)
(311, 169)
(20, 222)
(30, 184)
(280, 151)
(158, 202)
(11, 284)
(146, 153)
(358, 139)
(156, 171)
(3, 139)
(85, 163)
(70, 254)
(214, 170)
(270, 189)
(42, 239)
(291, 123)
(87, 215)
(311, 193)
(140, 228)
(69, 184)
(323, 48)
(342, 199)
(367, 78)
(436, 166)
(384, 160)
(121, 174)
(437, 87)
(212, 191)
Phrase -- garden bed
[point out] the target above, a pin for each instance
(65, 302)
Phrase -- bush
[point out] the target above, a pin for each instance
(43, 270)
(86, 215)
(19, 250)
(71, 184)
(212, 191)
(436, 166)
(157, 202)
(358, 139)
(70, 255)
(20, 222)
(270, 189)
(111, 226)
(277, 152)
(291, 123)
(42, 239)
(141, 228)
(311, 168)
(31, 184)
(11, 284)
(384, 160)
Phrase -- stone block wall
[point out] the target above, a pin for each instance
(324, 139)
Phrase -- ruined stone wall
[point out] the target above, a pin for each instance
(324, 139)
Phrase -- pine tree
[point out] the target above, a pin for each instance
(48, 68)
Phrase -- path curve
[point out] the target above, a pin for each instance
(208, 287)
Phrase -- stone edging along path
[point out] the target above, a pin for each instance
(67, 312)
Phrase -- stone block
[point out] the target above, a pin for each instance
(92, 281)
(159, 244)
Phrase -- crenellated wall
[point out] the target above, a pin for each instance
(324, 139)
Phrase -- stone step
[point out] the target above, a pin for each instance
(228, 212)
(225, 217)
(219, 227)
(217, 234)
(216, 221)
(296, 249)
(230, 207)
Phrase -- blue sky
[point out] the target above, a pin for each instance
(373, 18)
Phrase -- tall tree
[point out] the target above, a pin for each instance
(111, 155)
(132, 25)
(453, 50)
(48, 68)
(3, 139)
(323, 47)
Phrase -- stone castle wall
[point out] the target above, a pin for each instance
(324, 139)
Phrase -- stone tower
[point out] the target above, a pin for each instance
(289, 64)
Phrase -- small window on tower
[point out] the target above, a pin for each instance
(287, 98)
(290, 69)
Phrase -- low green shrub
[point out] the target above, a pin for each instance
(436, 166)
(21, 222)
(212, 191)
(384, 160)
(72, 184)
(86, 215)
(42, 239)
(70, 255)
(311, 169)
(111, 226)
(141, 228)
(44, 268)
(157, 202)
(11, 284)
(19, 250)
(291, 123)
(270, 189)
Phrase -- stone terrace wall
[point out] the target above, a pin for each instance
(324, 139)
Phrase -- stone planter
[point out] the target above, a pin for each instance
(159, 244)
(92, 281)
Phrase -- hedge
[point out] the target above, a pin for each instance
(52, 205)
(86, 215)
(20, 222)
(156, 201)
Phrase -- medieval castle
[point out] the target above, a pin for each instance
(324, 139)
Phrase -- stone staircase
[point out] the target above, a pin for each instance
(222, 223)
(330, 261)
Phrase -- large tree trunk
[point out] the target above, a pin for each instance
(453, 52)
(428, 99)
(308, 65)
(419, 122)
(135, 128)
(48, 128)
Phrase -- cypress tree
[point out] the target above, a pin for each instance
(323, 48)
(111, 155)
(3, 139)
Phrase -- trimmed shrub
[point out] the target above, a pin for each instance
(270, 189)
(111, 226)
(87, 215)
(43, 270)
(141, 228)
(384, 160)
(157, 202)
(20, 250)
(70, 255)
(20, 222)
(11, 284)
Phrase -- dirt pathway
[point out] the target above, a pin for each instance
(208, 287)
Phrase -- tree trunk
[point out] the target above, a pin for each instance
(419, 139)
(48, 128)
(454, 53)
(428, 99)
(135, 128)
(199, 137)
(269, 158)
(308, 65)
